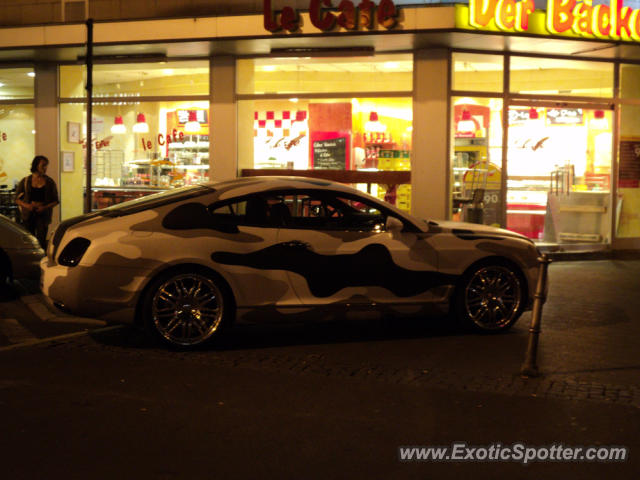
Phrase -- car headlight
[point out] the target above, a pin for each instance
(73, 252)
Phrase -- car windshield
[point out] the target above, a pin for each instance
(156, 200)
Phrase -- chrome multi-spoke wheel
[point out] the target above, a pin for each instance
(491, 298)
(186, 309)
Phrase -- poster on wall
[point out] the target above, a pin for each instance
(565, 116)
(330, 150)
(629, 171)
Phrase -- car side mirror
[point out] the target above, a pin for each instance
(393, 224)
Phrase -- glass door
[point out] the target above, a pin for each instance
(559, 174)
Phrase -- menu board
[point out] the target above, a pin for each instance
(629, 171)
(330, 150)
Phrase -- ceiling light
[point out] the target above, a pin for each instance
(141, 125)
(192, 126)
(118, 126)
(599, 120)
(465, 101)
(374, 124)
(31, 74)
(466, 123)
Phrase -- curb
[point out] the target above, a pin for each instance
(592, 255)
(43, 308)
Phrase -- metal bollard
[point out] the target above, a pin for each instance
(529, 367)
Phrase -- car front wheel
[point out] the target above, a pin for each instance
(490, 297)
(185, 309)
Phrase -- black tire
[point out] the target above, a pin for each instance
(188, 307)
(490, 297)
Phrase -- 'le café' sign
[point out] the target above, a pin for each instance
(349, 15)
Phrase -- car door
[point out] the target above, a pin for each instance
(245, 252)
(339, 248)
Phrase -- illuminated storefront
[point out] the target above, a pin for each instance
(17, 124)
(521, 114)
(554, 180)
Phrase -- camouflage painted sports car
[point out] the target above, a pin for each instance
(185, 262)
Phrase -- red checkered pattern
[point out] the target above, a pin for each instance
(271, 122)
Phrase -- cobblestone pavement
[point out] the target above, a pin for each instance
(588, 346)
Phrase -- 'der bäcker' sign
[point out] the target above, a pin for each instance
(568, 18)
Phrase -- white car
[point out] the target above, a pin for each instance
(186, 261)
(20, 252)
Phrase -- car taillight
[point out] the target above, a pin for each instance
(73, 252)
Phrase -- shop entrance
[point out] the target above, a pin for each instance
(558, 165)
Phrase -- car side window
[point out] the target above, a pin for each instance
(361, 215)
(250, 211)
(302, 210)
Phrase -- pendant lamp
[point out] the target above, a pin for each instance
(118, 126)
(141, 125)
(192, 125)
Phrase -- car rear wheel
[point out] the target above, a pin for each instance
(490, 297)
(187, 308)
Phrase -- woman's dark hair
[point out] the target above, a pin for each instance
(36, 162)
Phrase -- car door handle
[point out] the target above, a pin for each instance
(298, 244)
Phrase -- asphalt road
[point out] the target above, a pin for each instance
(331, 400)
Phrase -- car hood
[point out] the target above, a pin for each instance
(14, 235)
(472, 229)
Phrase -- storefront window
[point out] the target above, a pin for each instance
(379, 73)
(338, 133)
(559, 174)
(545, 76)
(628, 221)
(363, 134)
(476, 167)
(137, 79)
(16, 83)
(477, 73)
(17, 139)
(630, 81)
(138, 147)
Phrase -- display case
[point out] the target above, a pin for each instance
(526, 205)
(186, 162)
(8, 206)
(103, 197)
(470, 158)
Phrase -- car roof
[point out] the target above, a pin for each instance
(272, 182)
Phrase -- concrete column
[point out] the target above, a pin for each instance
(223, 135)
(46, 123)
(430, 155)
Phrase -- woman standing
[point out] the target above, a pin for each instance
(37, 195)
